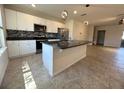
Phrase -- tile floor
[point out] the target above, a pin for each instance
(102, 68)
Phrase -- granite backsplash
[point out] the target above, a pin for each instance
(23, 33)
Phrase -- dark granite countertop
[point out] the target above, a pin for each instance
(68, 44)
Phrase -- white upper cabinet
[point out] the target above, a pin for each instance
(11, 19)
(55, 27)
(30, 24)
(22, 21)
(37, 20)
(51, 26)
(43, 21)
(25, 22)
(61, 25)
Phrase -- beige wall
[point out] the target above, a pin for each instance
(112, 36)
(80, 31)
(77, 30)
(90, 32)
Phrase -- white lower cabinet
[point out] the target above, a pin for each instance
(13, 48)
(21, 47)
(27, 47)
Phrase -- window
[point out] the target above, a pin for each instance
(1, 31)
(123, 36)
(1, 38)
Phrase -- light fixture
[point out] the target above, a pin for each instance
(86, 22)
(33, 5)
(64, 14)
(75, 12)
(121, 21)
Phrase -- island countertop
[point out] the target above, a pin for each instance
(68, 44)
(59, 55)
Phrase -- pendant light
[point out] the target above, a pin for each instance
(64, 14)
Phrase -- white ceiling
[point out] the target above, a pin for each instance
(97, 14)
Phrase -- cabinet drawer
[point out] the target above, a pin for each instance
(13, 43)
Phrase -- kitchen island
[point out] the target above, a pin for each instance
(57, 56)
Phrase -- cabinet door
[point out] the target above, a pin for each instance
(49, 26)
(30, 24)
(32, 46)
(36, 20)
(23, 47)
(54, 27)
(25, 22)
(60, 25)
(43, 21)
(13, 48)
(27, 47)
(11, 19)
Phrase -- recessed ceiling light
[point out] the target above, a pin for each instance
(33, 5)
(75, 12)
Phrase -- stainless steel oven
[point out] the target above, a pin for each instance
(39, 46)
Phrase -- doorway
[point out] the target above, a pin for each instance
(100, 37)
(122, 40)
